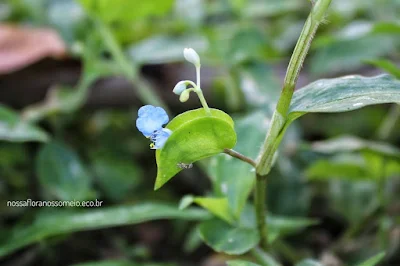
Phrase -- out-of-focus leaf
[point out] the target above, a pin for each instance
(309, 262)
(350, 47)
(387, 66)
(217, 206)
(20, 47)
(278, 226)
(235, 180)
(126, 10)
(373, 261)
(61, 172)
(116, 177)
(344, 94)
(196, 15)
(195, 135)
(260, 85)
(351, 143)
(61, 222)
(353, 200)
(223, 237)
(260, 8)
(327, 169)
(15, 129)
(165, 49)
(192, 240)
(240, 263)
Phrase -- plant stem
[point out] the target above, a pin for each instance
(145, 92)
(260, 199)
(280, 116)
(199, 92)
(240, 156)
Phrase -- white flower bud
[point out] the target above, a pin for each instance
(179, 87)
(191, 56)
(184, 96)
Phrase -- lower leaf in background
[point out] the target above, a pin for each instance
(64, 222)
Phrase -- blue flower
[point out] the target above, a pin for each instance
(150, 121)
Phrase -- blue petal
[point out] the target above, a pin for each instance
(151, 119)
(160, 137)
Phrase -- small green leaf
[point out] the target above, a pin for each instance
(63, 222)
(217, 206)
(15, 129)
(61, 172)
(195, 135)
(344, 94)
(373, 261)
(223, 237)
(240, 263)
(386, 65)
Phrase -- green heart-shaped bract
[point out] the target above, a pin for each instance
(195, 135)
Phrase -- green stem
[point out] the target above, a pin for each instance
(240, 156)
(279, 120)
(260, 200)
(199, 92)
(145, 92)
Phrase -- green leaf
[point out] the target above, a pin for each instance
(195, 135)
(116, 176)
(217, 206)
(61, 172)
(344, 94)
(63, 222)
(373, 261)
(308, 262)
(327, 169)
(240, 263)
(152, 50)
(121, 263)
(126, 10)
(351, 144)
(235, 179)
(15, 129)
(223, 237)
(386, 65)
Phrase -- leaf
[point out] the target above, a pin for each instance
(309, 262)
(195, 135)
(327, 169)
(373, 261)
(223, 237)
(61, 172)
(344, 94)
(125, 11)
(386, 65)
(153, 50)
(240, 263)
(61, 222)
(14, 129)
(116, 176)
(217, 206)
(351, 143)
(234, 179)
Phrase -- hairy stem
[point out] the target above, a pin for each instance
(280, 116)
(240, 156)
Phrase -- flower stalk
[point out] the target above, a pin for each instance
(280, 116)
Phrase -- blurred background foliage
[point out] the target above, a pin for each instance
(74, 73)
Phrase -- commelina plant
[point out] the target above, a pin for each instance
(205, 132)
